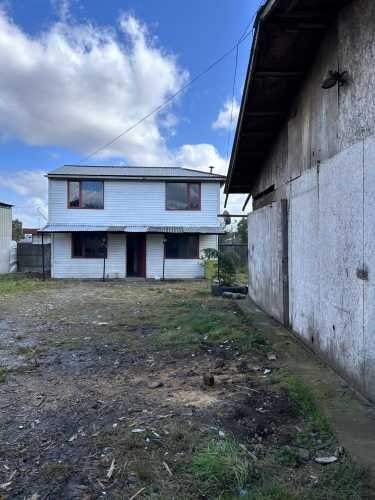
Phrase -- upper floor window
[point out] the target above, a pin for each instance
(86, 194)
(183, 196)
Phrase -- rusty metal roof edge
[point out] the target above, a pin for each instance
(262, 13)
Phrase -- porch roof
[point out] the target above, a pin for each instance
(73, 228)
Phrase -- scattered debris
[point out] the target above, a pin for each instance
(208, 379)
(111, 469)
(155, 385)
(138, 430)
(137, 494)
(167, 468)
(271, 356)
(234, 296)
(326, 460)
(267, 371)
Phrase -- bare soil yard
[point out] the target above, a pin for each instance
(137, 390)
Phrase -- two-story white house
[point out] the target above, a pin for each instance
(122, 222)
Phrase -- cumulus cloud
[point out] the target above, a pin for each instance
(228, 116)
(79, 85)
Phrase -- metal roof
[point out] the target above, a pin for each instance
(139, 173)
(73, 228)
(5, 205)
(287, 36)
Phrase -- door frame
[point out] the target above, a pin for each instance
(142, 237)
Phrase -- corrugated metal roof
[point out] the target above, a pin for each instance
(73, 228)
(132, 172)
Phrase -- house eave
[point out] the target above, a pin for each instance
(288, 34)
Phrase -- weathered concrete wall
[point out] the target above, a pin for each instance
(265, 259)
(323, 163)
(324, 122)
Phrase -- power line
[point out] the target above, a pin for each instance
(233, 96)
(173, 96)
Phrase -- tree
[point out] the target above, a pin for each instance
(242, 230)
(17, 230)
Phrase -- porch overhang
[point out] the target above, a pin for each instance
(81, 228)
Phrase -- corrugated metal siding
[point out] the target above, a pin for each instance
(154, 256)
(175, 268)
(5, 238)
(63, 266)
(133, 203)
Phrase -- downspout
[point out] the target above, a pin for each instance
(164, 241)
(43, 269)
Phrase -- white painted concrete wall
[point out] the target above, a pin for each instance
(134, 203)
(5, 238)
(64, 266)
(331, 239)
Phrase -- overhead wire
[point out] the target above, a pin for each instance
(155, 110)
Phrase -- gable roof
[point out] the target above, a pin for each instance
(133, 173)
(287, 36)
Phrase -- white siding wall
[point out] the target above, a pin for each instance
(175, 268)
(63, 266)
(133, 203)
(5, 238)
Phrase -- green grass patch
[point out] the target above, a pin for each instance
(56, 471)
(3, 374)
(271, 493)
(30, 352)
(307, 408)
(222, 468)
(15, 283)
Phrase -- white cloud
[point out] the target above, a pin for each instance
(79, 85)
(31, 188)
(228, 116)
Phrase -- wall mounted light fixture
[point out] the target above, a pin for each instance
(333, 78)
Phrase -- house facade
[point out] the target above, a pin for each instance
(5, 237)
(131, 222)
(305, 151)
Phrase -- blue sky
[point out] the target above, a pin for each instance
(79, 72)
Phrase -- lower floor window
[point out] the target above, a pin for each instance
(181, 246)
(89, 245)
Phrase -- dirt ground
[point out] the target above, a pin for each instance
(153, 390)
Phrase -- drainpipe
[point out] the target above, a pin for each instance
(164, 242)
(43, 269)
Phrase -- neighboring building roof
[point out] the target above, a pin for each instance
(73, 228)
(135, 173)
(5, 205)
(30, 230)
(287, 36)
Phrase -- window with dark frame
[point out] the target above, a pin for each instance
(86, 194)
(89, 245)
(182, 246)
(183, 196)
